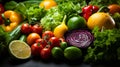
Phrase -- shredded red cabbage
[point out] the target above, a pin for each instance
(79, 38)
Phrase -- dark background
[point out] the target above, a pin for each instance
(6, 61)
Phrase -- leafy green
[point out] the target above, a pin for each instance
(4, 39)
(55, 15)
(104, 47)
(30, 10)
(104, 2)
(116, 17)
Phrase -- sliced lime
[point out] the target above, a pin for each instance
(20, 49)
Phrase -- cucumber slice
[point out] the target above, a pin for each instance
(20, 49)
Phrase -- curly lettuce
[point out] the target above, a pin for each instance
(104, 47)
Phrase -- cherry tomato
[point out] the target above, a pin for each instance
(36, 48)
(45, 53)
(54, 41)
(47, 35)
(32, 37)
(37, 29)
(1, 8)
(26, 28)
(41, 41)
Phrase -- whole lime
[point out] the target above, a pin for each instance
(63, 45)
(76, 22)
(57, 53)
(72, 53)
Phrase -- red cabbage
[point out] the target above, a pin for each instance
(79, 38)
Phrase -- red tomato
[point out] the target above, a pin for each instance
(26, 28)
(32, 37)
(45, 53)
(47, 35)
(54, 41)
(41, 41)
(36, 48)
(37, 29)
(1, 8)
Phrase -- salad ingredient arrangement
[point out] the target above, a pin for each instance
(62, 30)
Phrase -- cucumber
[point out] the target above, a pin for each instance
(23, 38)
(15, 34)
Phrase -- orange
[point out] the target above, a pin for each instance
(32, 37)
(47, 4)
(102, 20)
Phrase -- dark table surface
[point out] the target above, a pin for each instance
(37, 62)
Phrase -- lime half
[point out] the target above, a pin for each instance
(20, 49)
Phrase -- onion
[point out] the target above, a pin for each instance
(79, 38)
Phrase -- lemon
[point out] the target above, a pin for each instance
(72, 53)
(20, 49)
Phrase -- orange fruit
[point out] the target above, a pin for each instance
(32, 37)
(47, 4)
(102, 20)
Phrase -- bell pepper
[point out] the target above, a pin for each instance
(87, 11)
(11, 20)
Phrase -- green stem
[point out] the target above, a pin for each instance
(7, 21)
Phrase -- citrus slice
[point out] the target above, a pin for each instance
(20, 49)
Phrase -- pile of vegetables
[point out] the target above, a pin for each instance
(91, 30)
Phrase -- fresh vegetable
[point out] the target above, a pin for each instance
(79, 38)
(37, 29)
(20, 49)
(29, 10)
(101, 3)
(114, 8)
(41, 42)
(12, 19)
(15, 34)
(60, 30)
(104, 48)
(47, 4)
(63, 45)
(32, 37)
(116, 17)
(76, 22)
(102, 20)
(47, 35)
(26, 28)
(34, 14)
(45, 53)
(54, 41)
(87, 11)
(36, 48)
(57, 53)
(55, 15)
(72, 53)
(23, 38)
(4, 39)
